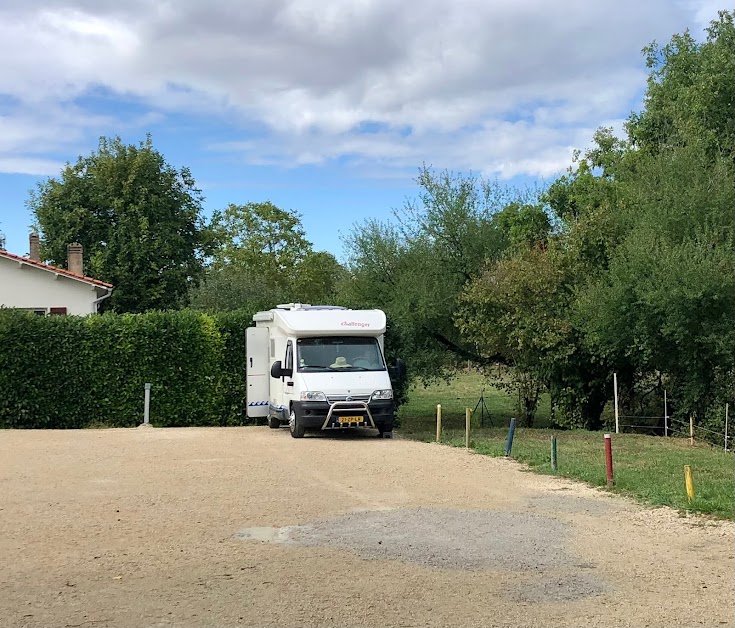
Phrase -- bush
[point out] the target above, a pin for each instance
(73, 372)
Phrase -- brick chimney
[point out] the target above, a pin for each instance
(75, 258)
(35, 248)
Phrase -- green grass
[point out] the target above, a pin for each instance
(419, 414)
(647, 468)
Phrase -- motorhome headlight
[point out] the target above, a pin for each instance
(383, 394)
(312, 395)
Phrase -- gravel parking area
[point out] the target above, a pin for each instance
(249, 527)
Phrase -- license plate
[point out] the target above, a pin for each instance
(349, 419)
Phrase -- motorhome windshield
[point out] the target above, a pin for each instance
(339, 353)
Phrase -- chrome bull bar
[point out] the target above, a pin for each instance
(354, 406)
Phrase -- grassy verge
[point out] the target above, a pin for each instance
(648, 468)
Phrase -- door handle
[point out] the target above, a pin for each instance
(289, 383)
(251, 362)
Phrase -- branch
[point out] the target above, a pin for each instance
(467, 354)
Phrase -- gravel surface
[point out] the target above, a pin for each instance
(249, 527)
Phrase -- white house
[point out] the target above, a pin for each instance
(29, 284)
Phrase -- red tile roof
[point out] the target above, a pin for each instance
(54, 269)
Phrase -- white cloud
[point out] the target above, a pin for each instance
(506, 87)
(30, 165)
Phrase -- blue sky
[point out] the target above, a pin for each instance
(324, 107)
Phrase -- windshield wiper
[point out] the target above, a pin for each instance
(336, 368)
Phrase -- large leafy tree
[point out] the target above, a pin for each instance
(691, 92)
(263, 258)
(417, 266)
(523, 308)
(650, 221)
(138, 218)
(666, 304)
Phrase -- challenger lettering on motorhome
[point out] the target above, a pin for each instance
(354, 324)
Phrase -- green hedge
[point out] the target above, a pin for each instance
(73, 372)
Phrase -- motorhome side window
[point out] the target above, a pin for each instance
(288, 362)
(339, 353)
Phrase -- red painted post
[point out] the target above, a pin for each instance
(608, 459)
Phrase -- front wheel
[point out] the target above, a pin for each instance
(295, 425)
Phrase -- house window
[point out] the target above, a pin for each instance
(57, 311)
(38, 311)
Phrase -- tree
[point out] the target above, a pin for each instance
(138, 218)
(416, 267)
(316, 278)
(526, 225)
(691, 92)
(261, 237)
(263, 258)
(520, 308)
(234, 288)
(666, 304)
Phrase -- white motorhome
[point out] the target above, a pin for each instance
(319, 367)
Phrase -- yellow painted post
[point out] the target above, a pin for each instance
(691, 429)
(438, 423)
(689, 482)
(467, 416)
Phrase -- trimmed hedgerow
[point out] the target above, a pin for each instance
(72, 372)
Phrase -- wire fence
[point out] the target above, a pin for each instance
(670, 426)
(487, 412)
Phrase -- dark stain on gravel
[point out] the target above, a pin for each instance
(454, 539)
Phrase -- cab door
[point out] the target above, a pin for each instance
(289, 365)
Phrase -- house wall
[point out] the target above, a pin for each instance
(23, 286)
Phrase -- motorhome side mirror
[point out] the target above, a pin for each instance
(276, 370)
(398, 370)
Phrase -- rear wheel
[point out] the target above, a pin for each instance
(295, 425)
(274, 422)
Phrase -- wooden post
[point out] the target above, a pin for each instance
(608, 460)
(438, 423)
(666, 416)
(689, 482)
(553, 453)
(615, 390)
(691, 429)
(467, 416)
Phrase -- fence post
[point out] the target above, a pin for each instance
(467, 416)
(553, 453)
(615, 390)
(438, 423)
(147, 405)
(608, 460)
(691, 429)
(689, 482)
(726, 409)
(509, 442)
(666, 416)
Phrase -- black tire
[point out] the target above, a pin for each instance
(274, 423)
(295, 425)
